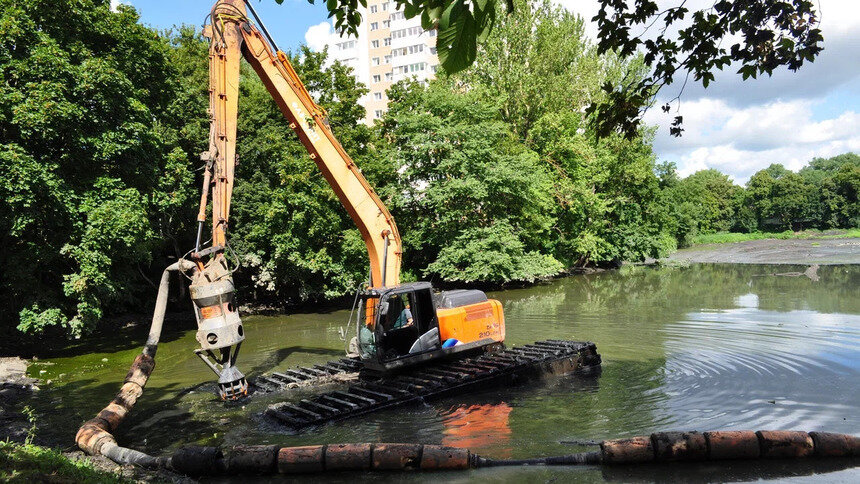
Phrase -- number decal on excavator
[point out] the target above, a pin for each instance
(312, 134)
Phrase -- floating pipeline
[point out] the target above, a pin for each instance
(661, 447)
(372, 393)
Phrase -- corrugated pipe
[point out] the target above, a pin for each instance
(95, 437)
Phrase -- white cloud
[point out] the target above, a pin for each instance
(740, 141)
(740, 127)
(317, 36)
(114, 4)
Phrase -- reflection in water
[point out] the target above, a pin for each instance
(478, 426)
(701, 347)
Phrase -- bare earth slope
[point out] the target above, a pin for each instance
(771, 251)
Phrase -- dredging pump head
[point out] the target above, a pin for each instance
(219, 327)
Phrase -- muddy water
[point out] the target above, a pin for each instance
(701, 347)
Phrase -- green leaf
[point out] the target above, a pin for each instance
(456, 43)
(485, 20)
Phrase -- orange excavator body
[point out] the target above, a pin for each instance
(473, 322)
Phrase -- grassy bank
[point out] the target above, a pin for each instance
(32, 463)
(728, 237)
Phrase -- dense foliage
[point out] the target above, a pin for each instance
(495, 174)
(823, 195)
(93, 178)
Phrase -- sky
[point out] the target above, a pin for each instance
(735, 126)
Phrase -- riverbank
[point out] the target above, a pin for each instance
(728, 237)
(821, 251)
(27, 457)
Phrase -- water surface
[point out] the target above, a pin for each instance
(700, 347)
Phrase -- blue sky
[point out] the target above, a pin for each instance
(287, 22)
(737, 127)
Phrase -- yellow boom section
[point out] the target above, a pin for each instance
(233, 36)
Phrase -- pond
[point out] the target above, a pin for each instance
(702, 347)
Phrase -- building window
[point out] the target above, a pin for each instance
(412, 49)
(398, 34)
(410, 68)
(385, 6)
(377, 113)
(388, 76)
(373, 9)
(386, 24)
(434, 68)
(433, 50)
(374, 25)
(396, 16)
(386, 41)
(377, 96)
(375, 61)
(432, 33)
(377, 78)
(349, 44)
(387, 59)
(374, 44)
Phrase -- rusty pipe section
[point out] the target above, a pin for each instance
(658, 447)
(95, 437)
(727, 445)
(311, 459)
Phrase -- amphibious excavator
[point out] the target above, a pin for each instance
(411, 344)
(397, 325)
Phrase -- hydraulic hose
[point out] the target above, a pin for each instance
(95, 437)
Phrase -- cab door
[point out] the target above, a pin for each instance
(405, 316)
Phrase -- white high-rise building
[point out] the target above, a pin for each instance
(389, 48)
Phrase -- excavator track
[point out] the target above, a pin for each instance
(374, 393)
(336, 371)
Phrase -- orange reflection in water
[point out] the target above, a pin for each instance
(479, 427)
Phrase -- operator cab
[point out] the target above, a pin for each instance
(398, 327)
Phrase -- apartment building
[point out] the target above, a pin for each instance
(389, 48)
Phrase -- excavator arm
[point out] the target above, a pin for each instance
(232, 37)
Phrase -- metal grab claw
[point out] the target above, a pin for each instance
(232, 384)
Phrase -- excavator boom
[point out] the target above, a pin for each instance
(399, 325)
(233, 37)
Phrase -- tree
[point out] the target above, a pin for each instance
(88, 159)
(711, 196)
(472, 203)
(667, 173)
(839, 195)
(538, 61)
(755, 36)
(790, 200)
(601, 187)
(780, 198)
